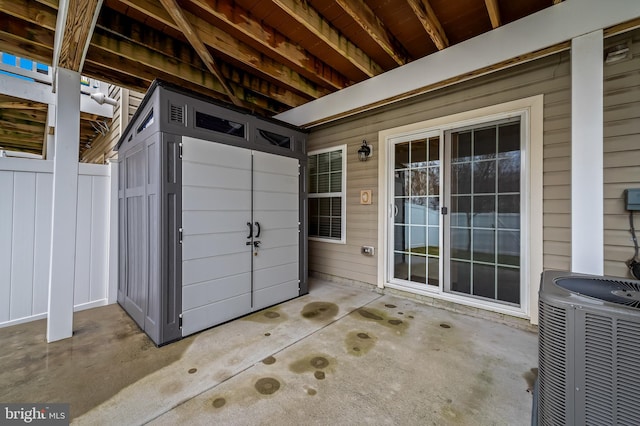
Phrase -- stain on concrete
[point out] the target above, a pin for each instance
(400, 313)
(269, 316)
(410, 316)
(267, 334)
(267, 386)
(389, 305)
(219, 402)
(369, 315)
(319, 375)
(445, 325)
(358, 343)
(530, 377)
(319, 362)
(311, 392)
(86, 369)
(319, 311)
(269, 360)
(381, 318)
(192, 370)
(312, 363)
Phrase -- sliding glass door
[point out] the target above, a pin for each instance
(483, 224)
(455, 216)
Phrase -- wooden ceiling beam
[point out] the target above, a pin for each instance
(231, 17)
(22, 127)
(11, 145)
(153, 60)
(325, 32)
(250, 58)
(370, 24)
(24, 115)
(22, 105)
(98, 71)
(121, 66)
(30, 33)
(30, 11)
(74, 26)
(51, 3)
(430, 22)
(494, 12)
(112, 23)
(19, 136)
(178, 17)
(265, 88)
(24, 48)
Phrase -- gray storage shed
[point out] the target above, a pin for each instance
(212, 213)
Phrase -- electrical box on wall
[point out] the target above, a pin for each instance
(632, 199)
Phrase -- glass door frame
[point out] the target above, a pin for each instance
(530, 111)
(390, 188)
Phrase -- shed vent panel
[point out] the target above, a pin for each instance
(176, 113)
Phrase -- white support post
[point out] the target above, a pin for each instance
(112, 289)
(587, 221)
(64, 211)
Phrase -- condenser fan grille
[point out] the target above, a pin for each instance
(621, 292)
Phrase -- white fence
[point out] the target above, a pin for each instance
(25, 238)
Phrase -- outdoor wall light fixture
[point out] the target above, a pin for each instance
(617, 53)
(365, 151)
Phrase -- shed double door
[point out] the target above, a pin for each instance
(240, 232)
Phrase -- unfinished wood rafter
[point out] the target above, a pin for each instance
(222, 42)
(232, 18)
(112, 23)
(79, 19)
(494, 12)
(178, 17)
(30, 11)
(22, 105)
(369, 22)
(324, 31)
(430, 22)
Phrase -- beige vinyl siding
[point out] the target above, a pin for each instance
(549, 76)
(621, 153)
(102, 146)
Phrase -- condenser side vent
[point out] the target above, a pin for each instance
(176, 114)
(553, 357)
(599, 375)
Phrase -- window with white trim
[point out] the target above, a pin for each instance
(327, 194)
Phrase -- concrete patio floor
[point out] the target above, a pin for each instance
(341, 355)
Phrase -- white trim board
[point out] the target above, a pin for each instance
(553, 25)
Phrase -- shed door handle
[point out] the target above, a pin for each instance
(250, 230)
(258, 225)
